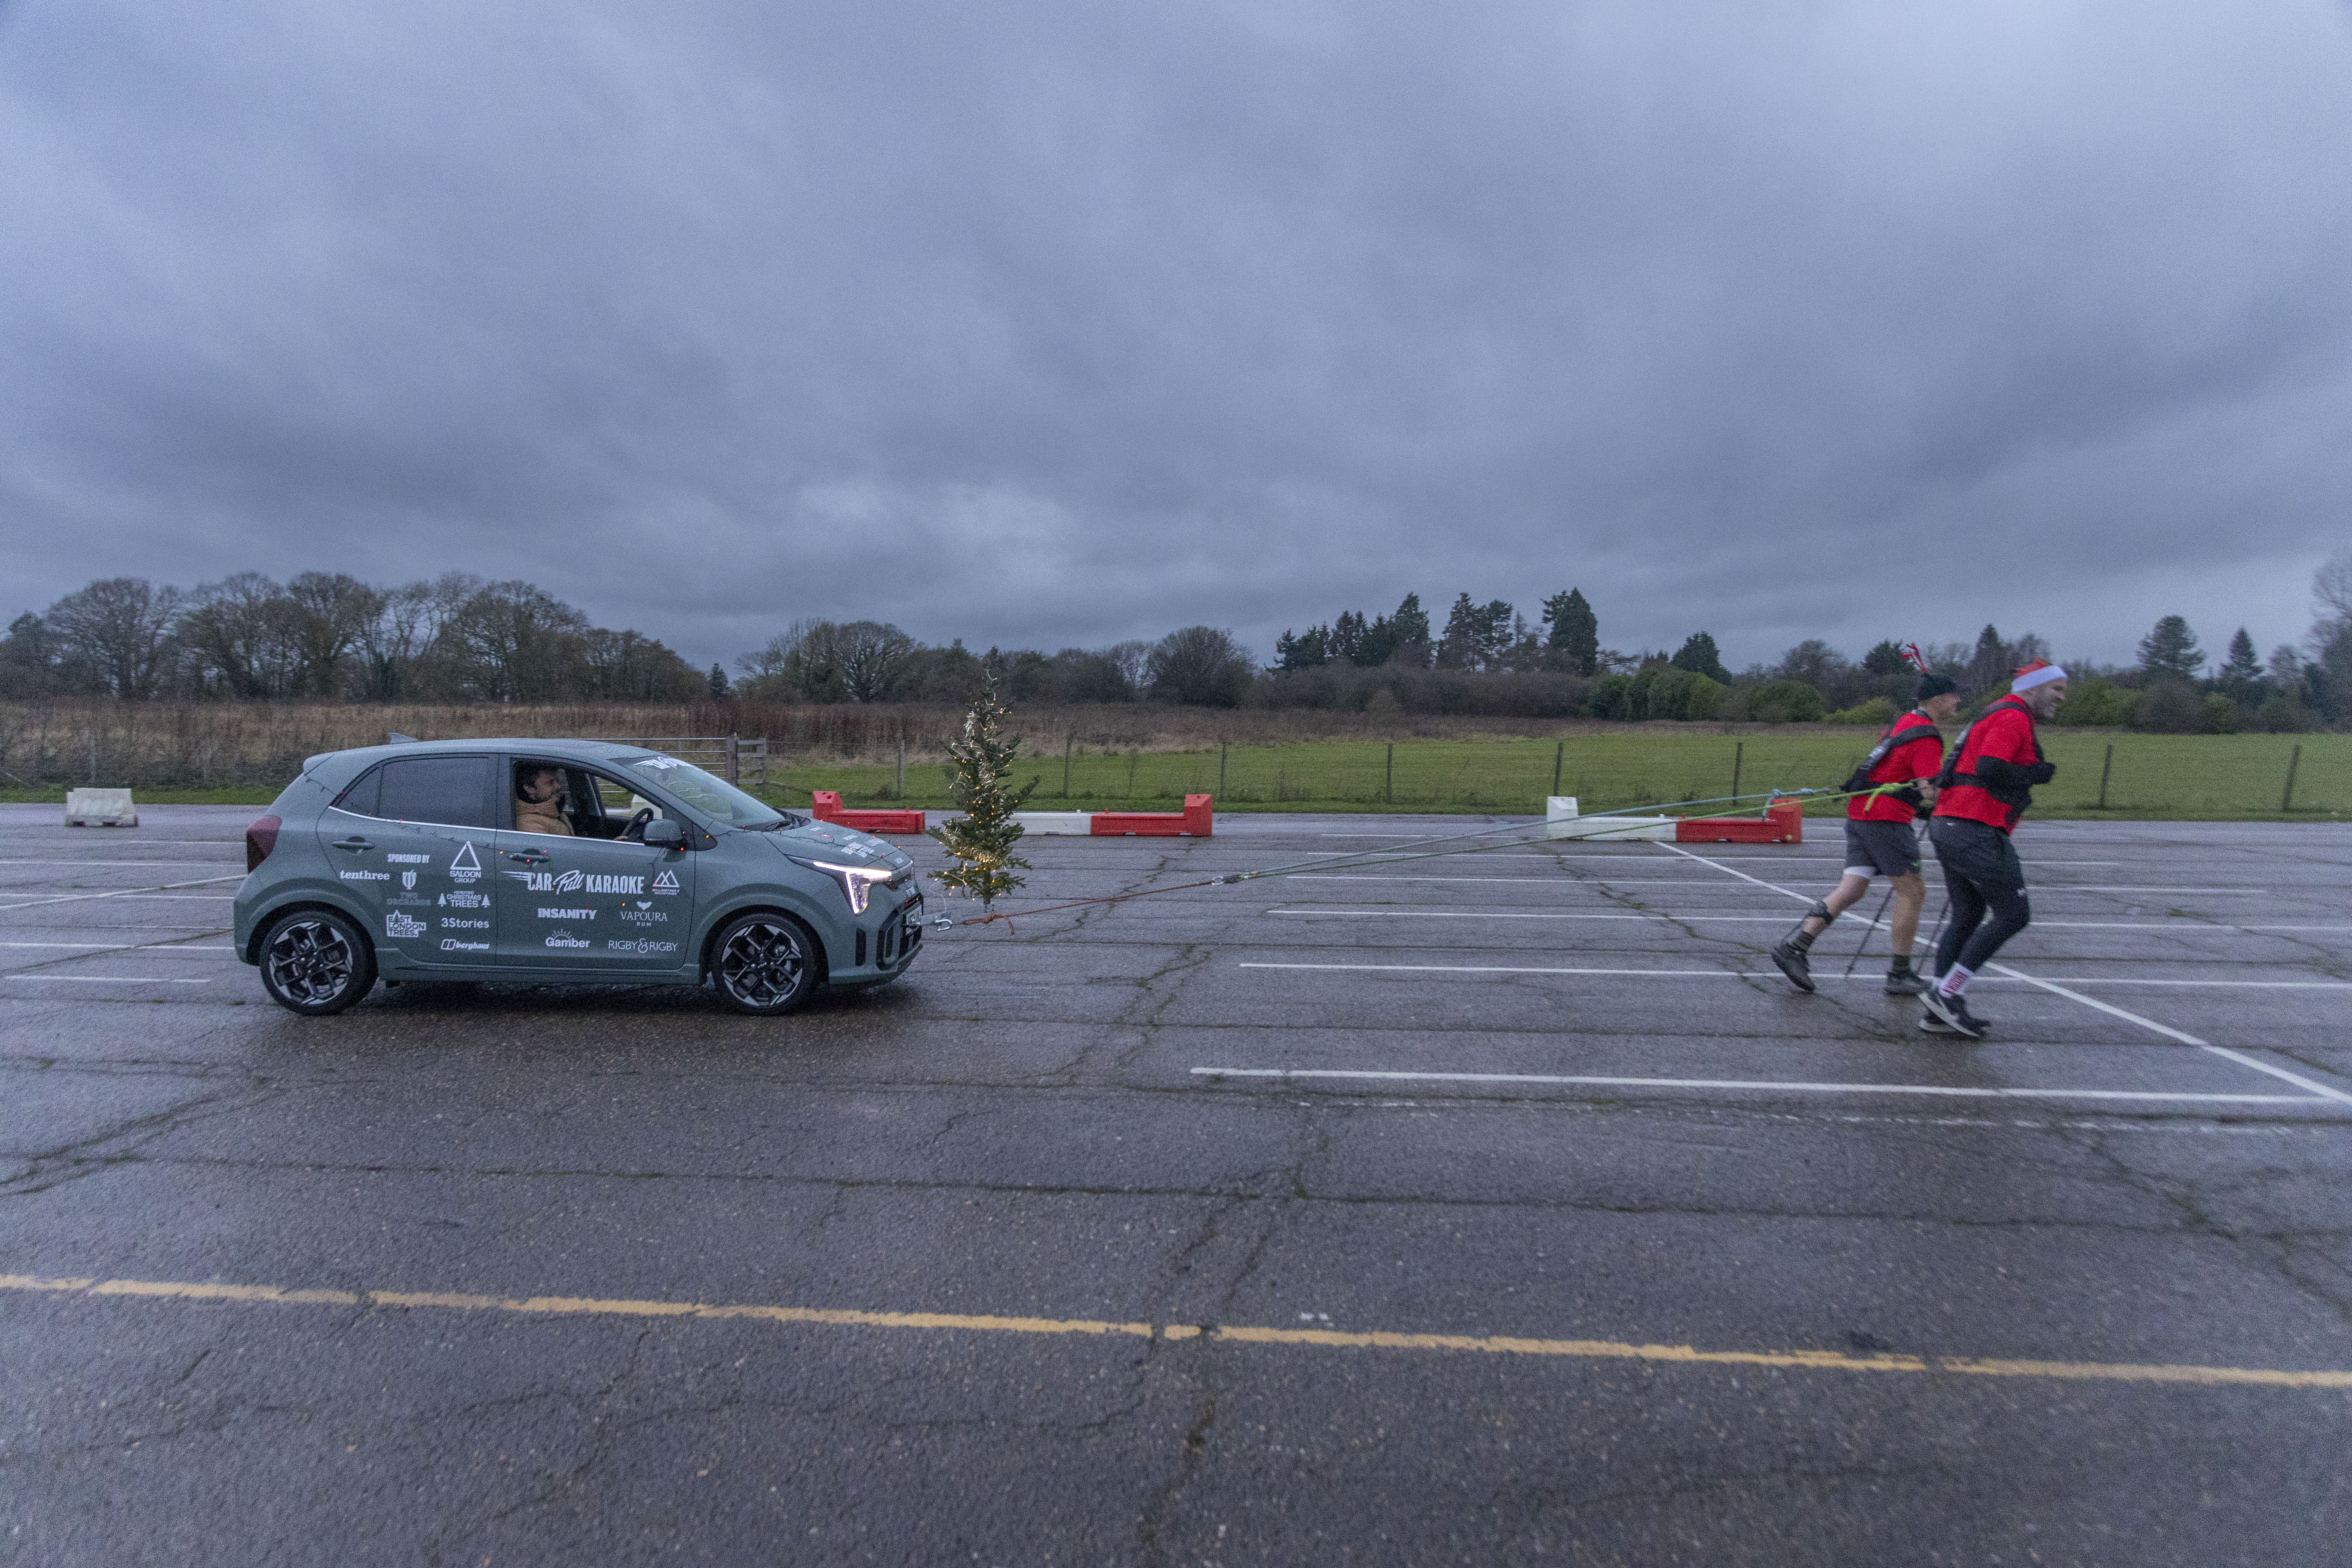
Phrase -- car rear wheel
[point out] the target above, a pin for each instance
(314, 961)
(766, 964)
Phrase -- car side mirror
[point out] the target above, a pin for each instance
(664, 834)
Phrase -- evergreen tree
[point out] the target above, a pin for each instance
(1410, 626)
(28, 659)
(2242, 673)
(1886, 658)
(1699, 655)
(1477, 636)
(2170, 649)
(1496, 633)
(1575, 630)
(1346, 642)
(717, 681)
(1305, 650)
(981, 840)
(1459, 648)
(1989, 668)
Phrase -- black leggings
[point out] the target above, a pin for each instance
(1983, 876)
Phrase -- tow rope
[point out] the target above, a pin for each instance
(1391, 856)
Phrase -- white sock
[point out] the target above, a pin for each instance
(1956, 980)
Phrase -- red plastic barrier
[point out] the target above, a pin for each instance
(828, 808)
(1194, 820)
(1784, 824)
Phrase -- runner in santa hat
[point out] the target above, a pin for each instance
(1984, 789)
(1888, 796)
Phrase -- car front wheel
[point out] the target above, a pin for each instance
(314, 961)
(764, 964)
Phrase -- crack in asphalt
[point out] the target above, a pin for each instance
(60, 1164)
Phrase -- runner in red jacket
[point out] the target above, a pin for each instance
(1879, 839)
(1985, 788)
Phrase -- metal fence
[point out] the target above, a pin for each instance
(731, 757)
(2300, 777)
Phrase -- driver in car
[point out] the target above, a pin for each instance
(538, 800)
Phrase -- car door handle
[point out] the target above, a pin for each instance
(528, 857)
(355, 844)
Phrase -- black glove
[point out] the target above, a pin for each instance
(2039, 772)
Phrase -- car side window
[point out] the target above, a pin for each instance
(360, 797)
(454, 791)
(621, 802)
(602, 807)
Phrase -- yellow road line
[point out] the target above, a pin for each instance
(1581, 1349)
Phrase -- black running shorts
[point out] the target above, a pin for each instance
(1880, 849)
(1978, 851)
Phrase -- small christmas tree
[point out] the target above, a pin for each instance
(982, 839)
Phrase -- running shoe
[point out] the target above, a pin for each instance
(1795, 965)
(1945, 1014)
(1905, 983)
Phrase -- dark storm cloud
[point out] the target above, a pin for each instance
(1048, 325)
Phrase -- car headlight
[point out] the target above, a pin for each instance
(857, 882)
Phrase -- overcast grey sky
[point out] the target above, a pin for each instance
(1056, 324)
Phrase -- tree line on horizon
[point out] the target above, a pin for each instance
(461, 640)
(328, 636)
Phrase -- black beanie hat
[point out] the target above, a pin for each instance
(1934, 685)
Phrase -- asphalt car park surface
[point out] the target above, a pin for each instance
(1482, 1209)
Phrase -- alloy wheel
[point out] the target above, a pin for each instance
(311, 963)
(763, 965)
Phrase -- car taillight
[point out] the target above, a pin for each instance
(259, 840)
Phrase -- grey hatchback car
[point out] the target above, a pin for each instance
(561, 861)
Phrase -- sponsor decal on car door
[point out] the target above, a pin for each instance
(611, 906)
(406, 846)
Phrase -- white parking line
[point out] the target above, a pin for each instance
(2312, 1085)
(1632, 852)
(1775, 974)
(1685, 883)
(113, 979)
(161, 889)
(1764, 1086)
(2184, 924)
(1624, 857)
(131, 946)
(216, 860)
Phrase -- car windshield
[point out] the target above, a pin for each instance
(705, 793)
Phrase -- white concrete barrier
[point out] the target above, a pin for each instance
(1560, 821)
(100, 808)
(1080, 823)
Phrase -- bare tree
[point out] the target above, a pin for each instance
(2331, 585)
(872, 657)
(1200, 665)
(513, 642)
(337, 610)
(120, 629)
(835, 662)
(245, 635)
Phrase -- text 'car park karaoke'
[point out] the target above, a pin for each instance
(564, 861)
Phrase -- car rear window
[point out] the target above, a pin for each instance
(451, 790)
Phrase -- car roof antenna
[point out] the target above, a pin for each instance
(394, 738)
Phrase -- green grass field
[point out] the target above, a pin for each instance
(2184, 777)
(2161, 777)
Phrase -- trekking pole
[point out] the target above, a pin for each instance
(1867, 930)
